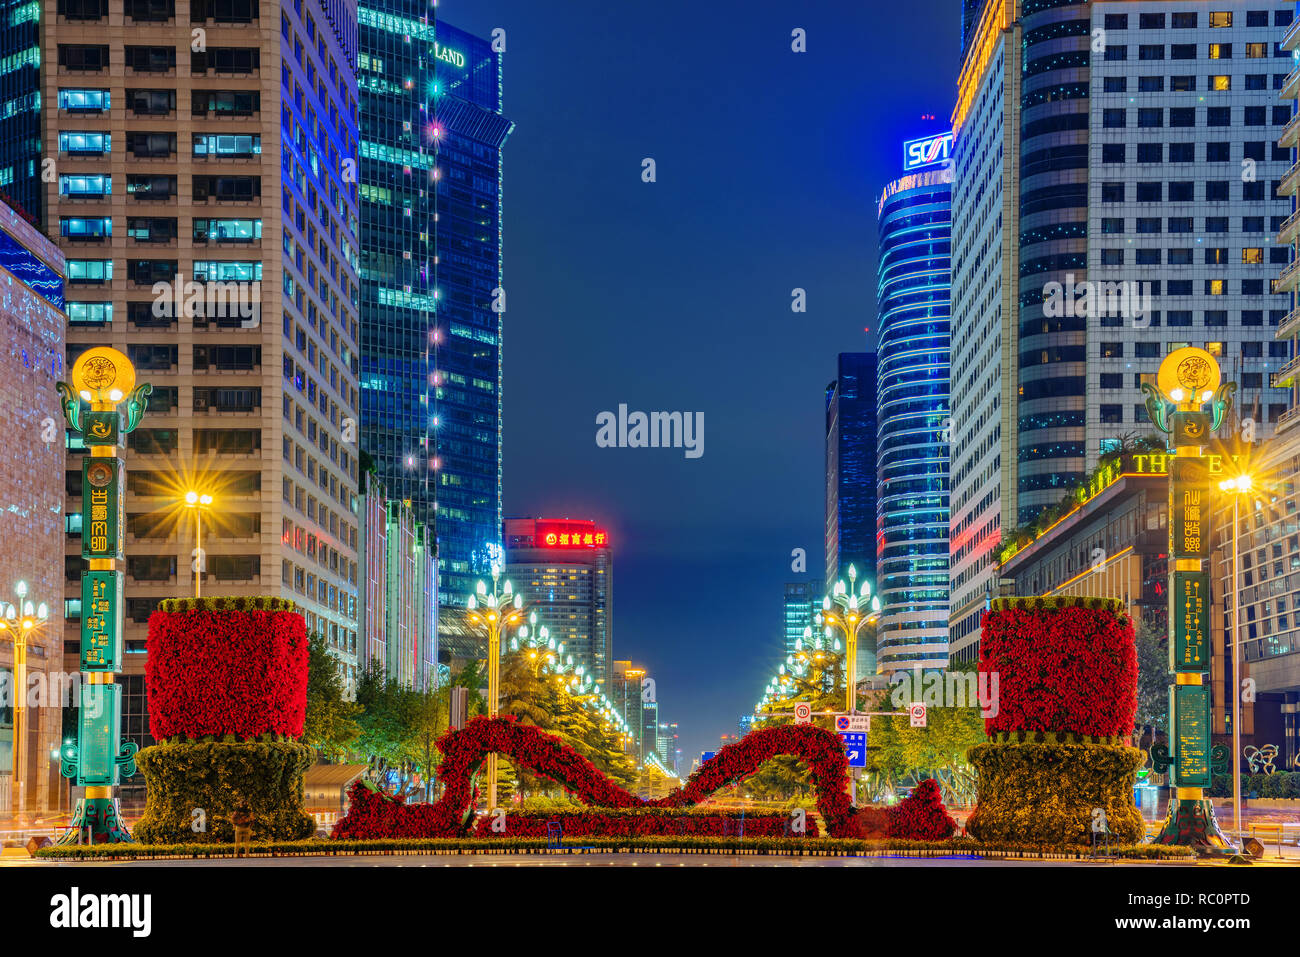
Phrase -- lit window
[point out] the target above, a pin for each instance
(1253, 255)
(1222, 18)
(1221, 83)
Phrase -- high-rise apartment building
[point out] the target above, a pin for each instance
(912, 316)
(203, 200)
(433, 302)
(564, 568)
(398, 617)
(984, 362)
(799, 603)
(31, 309)
(20, 108)
(1140, 207)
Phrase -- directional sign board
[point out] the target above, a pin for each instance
(853, 722)
(802, 712)
(855, 746)
(917, 711)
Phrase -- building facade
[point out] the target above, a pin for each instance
(800, 602)
(564, 569)
(399, 614)
(984, 363)
(1140, 207)
(433, 297)
(203, 203)
(31, 309)
(851, 468)
(912, 317)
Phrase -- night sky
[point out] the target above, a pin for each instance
(675, 295)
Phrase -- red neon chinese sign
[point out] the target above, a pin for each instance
(570, 535)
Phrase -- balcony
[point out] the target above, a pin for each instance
(1291, 39)
(1290, 229)
(1286, 281)
(1289, 181)
(1290, 135)
(1287, 419)
(1291, 87)
(1289, 325)
(1286, 376)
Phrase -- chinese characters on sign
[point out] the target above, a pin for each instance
(571, 535)
(1189, 611)
(103, 519)
(101, 610)
(1191, 732)
(1189, 509)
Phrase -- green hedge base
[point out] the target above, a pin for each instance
(783, 847)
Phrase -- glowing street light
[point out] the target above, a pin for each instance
(496, 611)
(849, 610)
(17, 622)
(198, 501)
(1236, 487)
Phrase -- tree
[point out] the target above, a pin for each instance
(1153, 681)
(331, 724)
(388, 717)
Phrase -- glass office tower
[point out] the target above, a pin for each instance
(432, 307)
(851, 479)
(20, 108)
(913, 300)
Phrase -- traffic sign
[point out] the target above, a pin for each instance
(917, 711)
(855, 746)
(802, 712)
(853, 722)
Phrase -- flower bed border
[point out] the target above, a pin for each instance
(778, 847)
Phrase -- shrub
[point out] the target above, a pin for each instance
(213, 777)
(921, 816)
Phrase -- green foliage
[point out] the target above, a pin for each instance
(802, 847)
(1153, 679)
(1058, 602)
(1281, 785)
(331, 724)
(227, 603)
(1046, 793)
(183, 777)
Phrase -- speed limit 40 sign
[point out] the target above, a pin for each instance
(917, 711)
(802, 712)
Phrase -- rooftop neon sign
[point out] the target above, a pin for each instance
(927, 151)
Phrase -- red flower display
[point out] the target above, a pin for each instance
(1070, 668)
(644, 822)
(374, 815)
(921, 816)
(242, 673)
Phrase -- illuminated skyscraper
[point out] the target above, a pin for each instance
(432, 305)
(912, 308)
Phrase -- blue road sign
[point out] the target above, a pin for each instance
(855, 745)
(707, 756)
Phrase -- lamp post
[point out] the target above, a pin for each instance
(495, 611)
(198, 501)
(17, 622)
(1236, 487)
(849, 611)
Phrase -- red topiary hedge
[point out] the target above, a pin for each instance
(374, 815)
(1063, 665)
(921, 816)
(219, 666)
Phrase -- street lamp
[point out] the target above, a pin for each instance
(495, 611)
(1236, 487)
(850, 611)
(17, 622)
(198, 501)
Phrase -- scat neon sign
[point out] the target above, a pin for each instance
(928, 151)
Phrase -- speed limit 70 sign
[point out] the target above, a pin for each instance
(802, 712)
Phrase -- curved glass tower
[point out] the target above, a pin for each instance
(913, 302)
